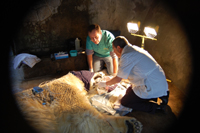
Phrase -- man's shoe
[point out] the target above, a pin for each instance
(161, 109)
(164, 99)
(163, 104)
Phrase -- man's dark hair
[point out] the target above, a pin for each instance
(120, 41)
(94, 26)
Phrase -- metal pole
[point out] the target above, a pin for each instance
(142, 43)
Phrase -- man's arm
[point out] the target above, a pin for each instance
(110, 82)
(114, 81)
(115, 62)
(89, 58)
(89, 51)
(115, 65)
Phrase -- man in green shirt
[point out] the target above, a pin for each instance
(99, 50)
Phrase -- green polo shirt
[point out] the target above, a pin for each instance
(104, 47)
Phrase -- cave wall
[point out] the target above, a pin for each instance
(50, 23)
(172, 49)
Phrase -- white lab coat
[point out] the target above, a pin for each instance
(146, 75)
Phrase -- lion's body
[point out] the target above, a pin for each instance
(70, 111)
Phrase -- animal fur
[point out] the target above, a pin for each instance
(70, 111)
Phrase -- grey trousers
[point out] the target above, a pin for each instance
(98, 64)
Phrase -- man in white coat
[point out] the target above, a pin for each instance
(146, 75)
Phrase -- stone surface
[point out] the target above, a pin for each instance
(54, 3)
(172, 49)
(51, 24)
(43, 13)
(42, 10)
(32, 16)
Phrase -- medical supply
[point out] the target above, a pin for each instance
(73, 53)
(77, 44)
(61, 55)
(37, 90)
(101, 90)
(103, 104)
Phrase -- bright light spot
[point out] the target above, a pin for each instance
(132, 27)
(150, 32)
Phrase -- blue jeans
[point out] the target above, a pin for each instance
(98, 64)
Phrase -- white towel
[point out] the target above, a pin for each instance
(28, 59)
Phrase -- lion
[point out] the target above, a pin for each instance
(63, 106)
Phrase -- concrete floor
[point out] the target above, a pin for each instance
(158, 122)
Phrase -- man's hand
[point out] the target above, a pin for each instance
(114, 74)
(115, 65)
(91, 70)
(114, 80)
(102, 84)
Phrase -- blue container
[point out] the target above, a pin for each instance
(61, 56)
(37, 90)
(73, 53)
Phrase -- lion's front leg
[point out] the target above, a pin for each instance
(124, 124)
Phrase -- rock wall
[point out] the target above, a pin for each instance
(115, 14)
(50, 23)
(172, 50)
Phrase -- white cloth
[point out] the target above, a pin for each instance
(146, 75)
(102, 84)
(103, 102)
(28, 59)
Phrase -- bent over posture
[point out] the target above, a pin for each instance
(146, 75)
(99, 50)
